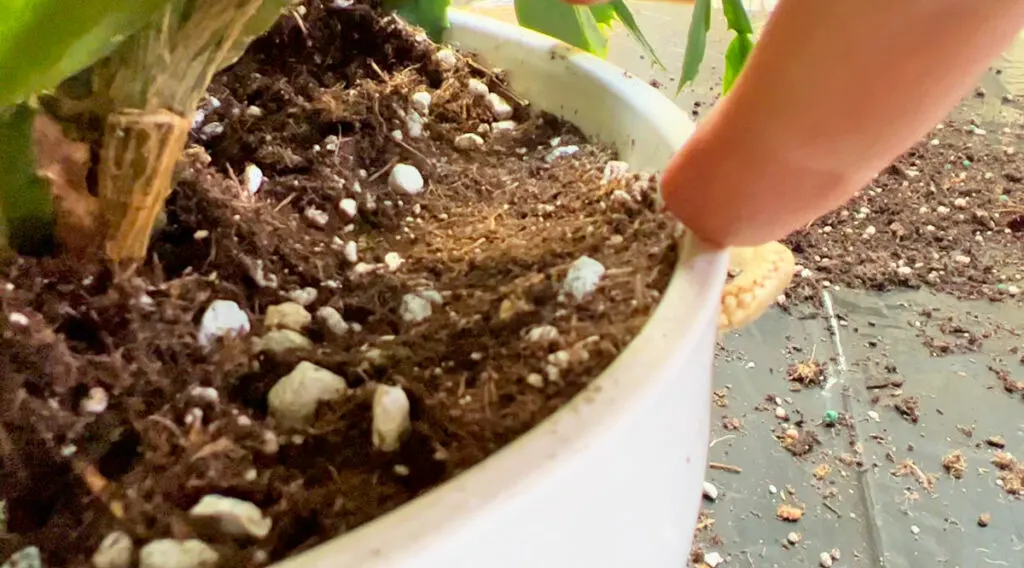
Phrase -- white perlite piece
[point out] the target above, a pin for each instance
(95, 402)
(115, 551)
(405, 179)
(252, 177)
(710, 491)
(544, 333)
(414, 124)
(447, 58)
(293, 399)
(825, 559)
(393, 261)
(221, 318)
(713, 559)
(614, 170)
(391, 422)
(349, 207)
(582, 278)
(432, 296)
(503, 126)
(28, 557)
(280, 341)
(332, 320)
(477, 88)
(561, 152)
(316, 217)
(171, 553)
(303, 296)
(289, 315)
(351, 252)
(469, 141)
(420, 101)
(415, 308)
(234, 517)
(499, 107)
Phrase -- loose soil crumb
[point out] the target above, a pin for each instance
(948, 214)
(789, 513)
(807, 373)
(104, 370)
(955, 464)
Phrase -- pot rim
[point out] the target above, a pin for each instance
(689, 306)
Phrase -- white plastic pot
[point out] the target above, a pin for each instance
(614, 478)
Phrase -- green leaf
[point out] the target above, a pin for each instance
(574, 25)
(625, 15)
(735, 58)
(431, 15)
(44, 41)
(26, 204)
(604, 14)
(696, 42)
(736, 16)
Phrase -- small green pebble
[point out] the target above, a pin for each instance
(1000, 286)
(949, 166)
(967, 163)
(1004, 198)
(831, 416)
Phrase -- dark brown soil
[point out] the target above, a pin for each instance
(950, 212)
(494, 234)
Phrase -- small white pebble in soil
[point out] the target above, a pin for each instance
(942, 210)
(503, 126)
(1013, 290)
(447, 59)
(469, 141)
(222, 318)
(95, 402)
(781, 413)
(316, 217)
(870, 231)
(904, 271)
(432, 296)
(874, 416)
(115, 551)
(397, 135)
(544, 333)
(303, 296)
(793, 538)
(393, 261)
(713, 559)
(391, 422)
(288, 315)
(477, 88)
(561, 152)
(18, 319)
(414, 125)
(351, 252)
(172, 553)
(582, 278)
(253, 111)
(825, 560)
(962, 259)
(535, 380)
(364, 268)
(252, 177)
(332, 320)
(499, 107)
(294, 398)
(406, 179)
(204, 394)
(835, 553)
(914, 529)
(772, 489)
(960, 203)
(349, 207)
(710, 491)
(414, 308)
(420, 101)
(560, 359)
(212, 130)
(280, 341)
(933, 142)
(28, 557)
(233, 517)
(613, 170)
